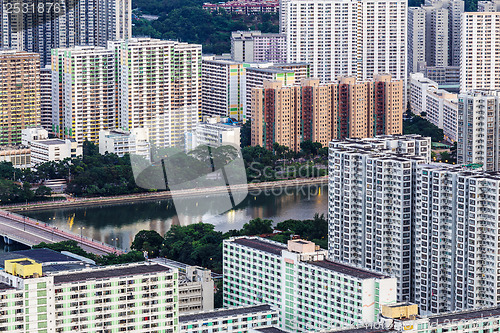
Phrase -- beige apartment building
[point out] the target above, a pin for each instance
(320, 112)
(19, 94)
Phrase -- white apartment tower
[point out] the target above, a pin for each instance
(455, 10)
(479, 57)
(440, 44)
(159, 87)
(416, 37)
(347, 37)
(325, 35)
(383, 44)
(83, 92)
(456, 257)
(437, 38)
(310, 292)
(370, 204)
(478, 129)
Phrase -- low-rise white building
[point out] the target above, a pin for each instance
(440, 106)
(419, 85)
(442, 111)
(45, 150)
(232, 320)
(214, 132)
(121, 142)
(310, 291)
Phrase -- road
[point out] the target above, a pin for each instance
(32, 232)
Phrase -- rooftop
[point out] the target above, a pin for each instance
(5, 286)
(464, 315)
(348, 270)
(51, 142)
(272, 70)
(276, 248)
(361, 330)
(102, 273)
(270, 330)
(225, 313)
(261, 245)
(42, 256)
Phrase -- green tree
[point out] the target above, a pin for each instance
(419, 125)
(7, 170)
(147, 240)
(43, 191)
(445, 157)
(195, 244)
(257, 226)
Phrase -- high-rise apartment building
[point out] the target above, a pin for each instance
(289, 74)
(53, 25)
(437, 37)
(19, 94)
(158, 87)
(370, 204)
(402, 320)
(134, 297)
(456, 257)
(135, 83)
(479, 57)
(488, 6)
(311, 292)
(416, 37)
(223, 88)
(254, 46)
(241, 319)
(46, 98)
(478, 130)
(448, 76)
(227, 85)
(345, 38)
(434, 34)
(320, 112)
(83, 92)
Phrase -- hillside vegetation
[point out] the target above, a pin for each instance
(187, 21)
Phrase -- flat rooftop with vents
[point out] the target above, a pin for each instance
(102, 273)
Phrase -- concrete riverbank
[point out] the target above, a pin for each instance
(152, 196)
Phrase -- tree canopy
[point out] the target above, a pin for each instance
(419, 125)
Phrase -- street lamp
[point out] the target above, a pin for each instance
(81, 234)
(114, 240)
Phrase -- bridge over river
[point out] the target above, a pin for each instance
(27, 231)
